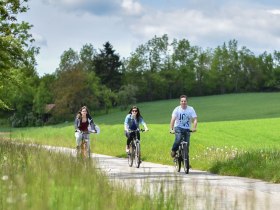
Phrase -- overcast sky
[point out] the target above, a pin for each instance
(62, 24)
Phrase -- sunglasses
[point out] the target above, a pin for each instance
(134, 111)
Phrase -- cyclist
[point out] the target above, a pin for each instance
(183, 118)
(131, 122)
(83, 123)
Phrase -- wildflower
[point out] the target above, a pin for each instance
(5, 177)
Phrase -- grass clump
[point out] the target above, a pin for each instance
(34, 178)
(260, 164)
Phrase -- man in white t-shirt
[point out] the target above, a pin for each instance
(183, 120)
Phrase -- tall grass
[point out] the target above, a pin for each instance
(251, 164)
(34, 178)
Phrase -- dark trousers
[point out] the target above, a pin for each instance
(131, 135)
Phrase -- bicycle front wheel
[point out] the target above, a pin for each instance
(137, 155)
(177, 162)
(88, 149)
(130, 155)
(85, 149)
(186, 158)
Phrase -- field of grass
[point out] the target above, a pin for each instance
(236, 134)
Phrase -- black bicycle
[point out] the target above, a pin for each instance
(134, 153)
(182, 155)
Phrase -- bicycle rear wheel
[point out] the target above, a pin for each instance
(185, 155)
(137, 155)
(130, 155)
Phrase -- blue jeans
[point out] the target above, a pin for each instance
(180, 133)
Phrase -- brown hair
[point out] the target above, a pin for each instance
(79, 114)
(184, 96)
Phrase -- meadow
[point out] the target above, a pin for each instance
(238, 134)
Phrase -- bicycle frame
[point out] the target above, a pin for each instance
(182, 155)
(84, 150)
(134, 150)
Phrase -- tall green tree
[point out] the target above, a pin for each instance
(87, 56)
(235, 72)
(266, 79)
(143, 68)
(202, 67)
(127, 96)
(68, 60)
(16, 51)
(184, 57)
(73, 89)
(44, 94)
(248, 67)
(221, 72)
(107, 67)
(276, 56)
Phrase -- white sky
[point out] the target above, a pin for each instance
(62, 24)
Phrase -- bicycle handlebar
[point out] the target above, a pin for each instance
(85, 132)
(188, 130)
(140, 130)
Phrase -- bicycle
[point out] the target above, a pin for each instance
(134, 149)
(182, 155)
(84, 150)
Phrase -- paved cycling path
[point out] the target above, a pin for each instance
(204, 190)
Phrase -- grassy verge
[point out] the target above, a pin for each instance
(261, 164)
(33, 178)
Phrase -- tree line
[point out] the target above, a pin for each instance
(99, 78)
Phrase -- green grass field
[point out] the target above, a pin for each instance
(237, 133)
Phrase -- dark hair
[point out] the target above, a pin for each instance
(79, 114)
(138, 115)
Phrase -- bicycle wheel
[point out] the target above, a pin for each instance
(185, 156)
(177, 162)
(88, 149)
(78, 151)
(130, 155)
(137, 155)
(83, 149)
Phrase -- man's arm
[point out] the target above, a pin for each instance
(194, 124)
(172, 122)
